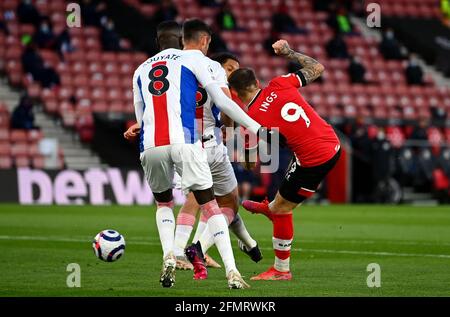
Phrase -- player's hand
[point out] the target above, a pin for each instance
(132, 132)
(281, 47)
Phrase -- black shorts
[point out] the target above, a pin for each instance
(301, 183)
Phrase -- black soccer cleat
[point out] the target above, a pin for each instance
(254, 253)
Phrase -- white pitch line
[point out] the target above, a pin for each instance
(57, 239)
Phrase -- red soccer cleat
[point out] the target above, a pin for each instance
(195, 256)
(258, 208)
(272, 275)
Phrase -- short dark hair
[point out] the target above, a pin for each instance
(242, 79)
(222, 57)
(192, 29)
(168, 35)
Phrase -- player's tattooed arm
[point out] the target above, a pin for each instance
(311, 69)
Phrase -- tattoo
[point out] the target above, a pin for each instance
(312, 69)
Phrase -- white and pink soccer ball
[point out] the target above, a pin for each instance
(109, 245)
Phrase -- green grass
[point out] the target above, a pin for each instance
(333, 246)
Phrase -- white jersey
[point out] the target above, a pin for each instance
(165, 88)
(207, 113)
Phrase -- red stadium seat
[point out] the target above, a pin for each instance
(4, 135)
(38, 162)
(5, 162)
(19, 149)
(18, 136)
(21, 161)
(34, 136)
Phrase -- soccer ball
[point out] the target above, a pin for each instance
(108, 245)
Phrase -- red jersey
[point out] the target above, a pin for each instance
(281, 105)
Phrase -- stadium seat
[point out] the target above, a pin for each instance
(5, 162)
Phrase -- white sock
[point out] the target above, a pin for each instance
(165, 222)
(281, 265)
(239, 229)
(218, 228)
(200, 229)
(182, 234)
(206, 239)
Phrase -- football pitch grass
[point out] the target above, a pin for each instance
(332, 248)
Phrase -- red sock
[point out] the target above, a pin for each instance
(283, 233)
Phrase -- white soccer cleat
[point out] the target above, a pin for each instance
(235, 281)
(184, 264)
(167, 278)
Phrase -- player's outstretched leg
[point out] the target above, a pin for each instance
(279, 212)
(258, 207)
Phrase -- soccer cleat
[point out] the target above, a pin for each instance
(235, 281)
(167, 278)
(254, 253)
(183, 264)
(258, 208)
(195, 256)
(272, 275)
(210, 262)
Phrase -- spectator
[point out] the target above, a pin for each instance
(389, 46)
(93, 12)
(63, 42)
(225, 19)
(336, 47)
(322, 5)
(31, 61)
(44, 37)
(356, 71)
(445, 10)
(22, 116)
(27, 13)
(217, 44)
(4, 27)
(209, 3)
(382, 168)
(339, 21)
(413, 72)
(166, 12)
(420, 131)
(274, 36)
(48, 77)
(361, 159)
(282, 22)
(109, 37)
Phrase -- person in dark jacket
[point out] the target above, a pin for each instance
(22, 116)
(357, 71)
(27, 13)
(413, 72)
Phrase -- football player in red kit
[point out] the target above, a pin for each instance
(313, 141)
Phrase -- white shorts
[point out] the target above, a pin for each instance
(189, 161)
(224, 180)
